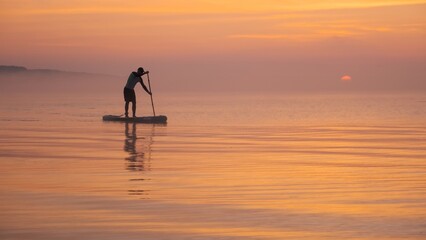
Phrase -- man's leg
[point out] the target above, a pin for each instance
(134, 108)
(126, 109)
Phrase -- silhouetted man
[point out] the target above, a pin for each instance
(129, 92)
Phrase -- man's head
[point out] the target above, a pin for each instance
(141, 71)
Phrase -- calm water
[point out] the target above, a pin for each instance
(224, 167)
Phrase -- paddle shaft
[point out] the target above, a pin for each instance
(152, 101)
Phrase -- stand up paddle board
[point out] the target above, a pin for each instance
(150, 119)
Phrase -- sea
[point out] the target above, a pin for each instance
(225, 166)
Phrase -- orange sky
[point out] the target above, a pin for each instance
(177, 38)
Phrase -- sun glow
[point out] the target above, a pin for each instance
(346, 78)
(108, 37)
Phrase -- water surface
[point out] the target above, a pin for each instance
(227, 167)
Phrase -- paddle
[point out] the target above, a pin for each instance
(152, 101)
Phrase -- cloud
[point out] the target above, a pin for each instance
(263, 36)
(25, 7)
(359, 23)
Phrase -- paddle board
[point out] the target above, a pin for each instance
(149, 119)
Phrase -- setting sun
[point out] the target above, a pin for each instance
(346, 78)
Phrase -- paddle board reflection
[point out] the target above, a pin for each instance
(139, 154)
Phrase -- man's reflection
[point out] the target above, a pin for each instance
(135, 160)
(139, 154)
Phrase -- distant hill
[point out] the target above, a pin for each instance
(23, 70)
(12, 69)
(19, 79)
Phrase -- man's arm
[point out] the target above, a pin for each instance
(144, 87)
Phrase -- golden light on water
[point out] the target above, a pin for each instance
(302, 180)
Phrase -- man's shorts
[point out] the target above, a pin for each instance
(129, 95)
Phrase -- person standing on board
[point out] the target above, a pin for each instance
(129, 92)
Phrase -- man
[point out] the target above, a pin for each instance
(129, 92)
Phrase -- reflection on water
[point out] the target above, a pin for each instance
(139, 155)
(75, 177)
(139, 158)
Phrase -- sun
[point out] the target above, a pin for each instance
(346, 78)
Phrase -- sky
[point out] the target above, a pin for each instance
(269, 45)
